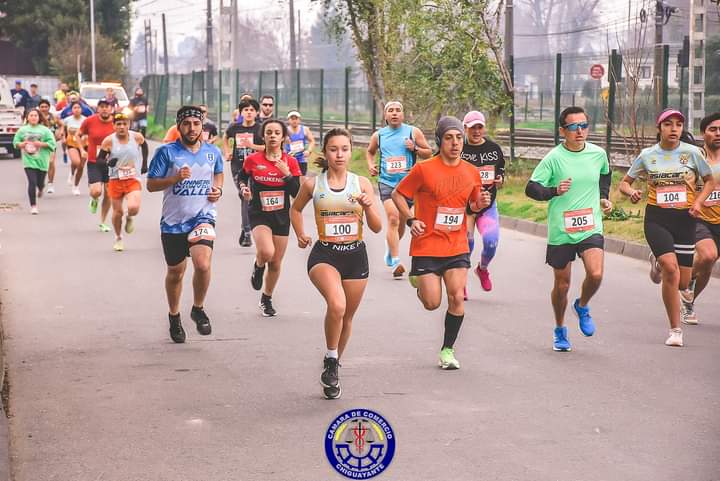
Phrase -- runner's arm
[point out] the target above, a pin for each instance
(605, 181)
(227, 153)
(372, 216)
(105, 148)
(370, 154)
(537, 191)
(422, 148)
(145, 152)
(311, 140)
(303, 197)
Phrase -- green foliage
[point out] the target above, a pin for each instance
(63, 57)
(712, 68)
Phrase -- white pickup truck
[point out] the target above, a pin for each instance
(10, 118)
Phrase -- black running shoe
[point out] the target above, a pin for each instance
(257, 276)
(202, 321)
(245, 239)
(241, 239)
(332, 392)
(177, 333)
(329, 377)
(266, 306)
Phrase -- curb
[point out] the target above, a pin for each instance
(4, 422)
(612, 244)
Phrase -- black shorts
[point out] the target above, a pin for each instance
(422, 265)
(303, 168)
(558, 256)
(97, 173)
(671, 230)
(176, 247)
(706, 230)
(350, 260)
(278, 222)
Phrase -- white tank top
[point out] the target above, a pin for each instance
(128, 155)
(338, 215)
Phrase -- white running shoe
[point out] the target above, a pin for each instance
(129, 225)
(76, 191)
(118, 245)
(687, 307)
(70, 178)
(34, 210)
(675, 339)
(50, 188)
(655, 270)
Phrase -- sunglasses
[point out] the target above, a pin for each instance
(577, 125)
(267, 105)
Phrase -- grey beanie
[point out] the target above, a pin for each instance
(445, 124)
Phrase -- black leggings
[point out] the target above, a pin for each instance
(36, 180)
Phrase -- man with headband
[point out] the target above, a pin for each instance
(399, 144)
(445, 189)
(190, 174)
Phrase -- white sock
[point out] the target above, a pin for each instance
(332, 353)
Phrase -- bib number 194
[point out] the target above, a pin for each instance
(449, 219)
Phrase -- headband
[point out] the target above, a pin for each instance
(188, 111)
(391, 103)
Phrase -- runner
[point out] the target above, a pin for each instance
(246, 139)
(267, 108)
(20, 96)
(399, 145)
(93, 131)
(707, 231)
(65, 106)
(140, 108)
(487, 156)
(122, 152)
(443, 188)
(75, 146)
(61, 92)
(267, 180)
(210, 130)
(112, 99)
(190, 174)
(301, 142)
(575, 177)
(172, 135)
(673, 168)
(35, 98)
(55, 125)
(338, 262)
(236, 116)
(36, 142)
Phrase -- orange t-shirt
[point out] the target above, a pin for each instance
(441, 194)
(171, 135)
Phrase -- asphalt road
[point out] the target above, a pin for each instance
(99, 392)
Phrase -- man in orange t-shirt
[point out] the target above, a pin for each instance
(443, 188)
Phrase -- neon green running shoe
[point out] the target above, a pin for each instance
(447, 359)
(93, 206)
(104, 227)
(413, 281)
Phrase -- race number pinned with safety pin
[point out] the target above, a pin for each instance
(396, 165)
(272, 200)
(201, 232)
(341, 228)
(713, 199)
(580, 220)
(449, 219)
(487, 174)
(671, 196)
(126, 173)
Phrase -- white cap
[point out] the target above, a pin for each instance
(294, 113)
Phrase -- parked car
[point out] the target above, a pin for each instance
(92, 92)
(10, 118)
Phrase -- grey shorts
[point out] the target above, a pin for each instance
(386, 193)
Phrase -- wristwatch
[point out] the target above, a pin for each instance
(410, 221)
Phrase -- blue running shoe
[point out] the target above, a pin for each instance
(560, 342)
(388, 257)
(587, 326)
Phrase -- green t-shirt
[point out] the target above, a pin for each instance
(575, 215)
(39, 159)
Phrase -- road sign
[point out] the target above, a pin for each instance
(597, 71)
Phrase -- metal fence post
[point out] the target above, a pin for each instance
(512, 109)
(374, 112)
(527, 94)
(666, 62)
(542, 98)
(192, 87)
(612, 78)
(297, 86)
(182, 89)
(322, 101)
(259, 93)
(558, 80)
(347, 97)
(237, 89)
(219, 110)
(277, 94)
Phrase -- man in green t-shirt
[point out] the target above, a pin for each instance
(575, 178)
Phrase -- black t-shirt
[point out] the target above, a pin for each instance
(210, 127)
(240, 135)
(489, 160)
(139, 113)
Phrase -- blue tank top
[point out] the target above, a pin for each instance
(297, 145)
(395, 159)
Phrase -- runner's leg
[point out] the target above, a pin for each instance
(706, 254)
(488, 225)
(173, 286)
(430, 290)
(264, 246)
(670, 286)
(395, 228)
(133, 202)
(593, 262)
(79, 168)
(51, 167)
(558, 296)
(354, 290)
(327, 280)
(272, 275)
(105, 206)
(32, 178)
(201, 256)
(117, 216)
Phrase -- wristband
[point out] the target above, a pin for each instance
(410, 221)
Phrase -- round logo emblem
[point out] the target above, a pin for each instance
(360, 444)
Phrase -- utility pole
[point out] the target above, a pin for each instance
(165, 52)
(658, 60)
(147, 47)
(234, 28)
(209, 74)
(696, 68)
(509, 64)
(92, 38)
(155, 54)
(293, 50)
(509, 47)
(299, 42)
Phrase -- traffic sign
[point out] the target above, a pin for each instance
(597, 71)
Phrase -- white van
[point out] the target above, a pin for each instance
(10, 118)
(92, 92)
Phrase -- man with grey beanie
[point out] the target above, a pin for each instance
(444, 189)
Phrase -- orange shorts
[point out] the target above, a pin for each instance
(118, 188)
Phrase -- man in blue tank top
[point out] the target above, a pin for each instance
(399, 145)
(301, 142)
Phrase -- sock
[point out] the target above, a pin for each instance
(264, 297)
(452, 328)
(395, 260)
(174, 317)
(332, 353)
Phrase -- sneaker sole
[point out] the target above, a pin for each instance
(448, 367)
(690, 322)
(264, 314)
(399, 271)
(673, 345)
(332, 396)
(328, 386)
(557, 349)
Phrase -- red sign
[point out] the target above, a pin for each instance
(597, 71)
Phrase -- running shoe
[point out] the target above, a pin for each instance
(70, 178)
(34, 210)
(202, 321)
(257, 276)
(129, 224)
(675, 339)
(104, 227)
(388, 257)
(560, 341)
(484, 277)
(177, 333)
(76, 191)
(329, 376)
(447, 359)
(332, 392)
(245, 239)
(50, 189)
(655, 270)
(267, 308)
(118, 245)
(587, 326)
(397, 268)
(93, 206)
(413, 281)
(687, 308)
(465, 293)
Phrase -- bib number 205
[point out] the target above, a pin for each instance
(580, 220)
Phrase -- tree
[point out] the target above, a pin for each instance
(64, 57)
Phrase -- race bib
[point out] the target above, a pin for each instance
(487, 174)
(243, 140)
(580, 220)
(297, 146)
(272, 200)
(30, 148)
(671, 196)
(201, 232)
(396, 165)
(449, 219)
(713, 199)
(127, 173)
(341, 228)
(205, 135)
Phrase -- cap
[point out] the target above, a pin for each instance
(444, 125)
(473, 118)
(294, 113)
(667, 113)
(103, 102)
